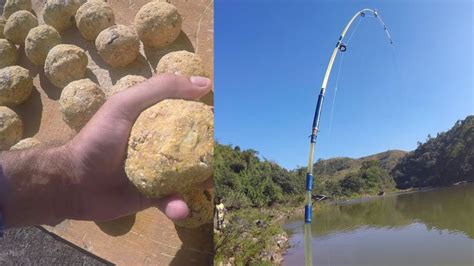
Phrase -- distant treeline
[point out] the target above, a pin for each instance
(443, 160)
(244, 180)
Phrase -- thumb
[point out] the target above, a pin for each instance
(174, 207)
(136, 99)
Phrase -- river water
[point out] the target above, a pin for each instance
(434, 227)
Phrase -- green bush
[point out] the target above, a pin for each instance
(443, 160)
(243, 239)
(370, 179)
(244, 180)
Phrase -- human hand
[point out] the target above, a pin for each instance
(85, 179)
(98, 152)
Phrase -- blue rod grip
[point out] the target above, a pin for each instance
(308, 213)
(319, 107)
(309, 182)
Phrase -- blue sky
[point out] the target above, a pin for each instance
(270, 58)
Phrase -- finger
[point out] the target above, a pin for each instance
(134, 100)
(173, 207)
(127, 200)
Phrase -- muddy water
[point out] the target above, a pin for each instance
(434, 227)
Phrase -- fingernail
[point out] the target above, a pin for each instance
(200, 81)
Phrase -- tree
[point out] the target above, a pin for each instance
(243, 180)
(448, 158)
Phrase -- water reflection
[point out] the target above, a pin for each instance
(446, 208)
(434, 227)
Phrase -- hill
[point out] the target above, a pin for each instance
(337, 168)
(244, 180)
(443, 160)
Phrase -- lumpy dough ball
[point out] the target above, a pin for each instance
(118, 45)
(171, 147)
(2, 26)
(60, 13)
(201, 208)
(65, 63)
(187, 64)
(26, 144)
(39, 42)
(79, 101)
(12, 6)
(8, 53)
(182, 63)
(93, 17)
(15, 85)
(158, 24)
(18, 25)
(11, 128)
(125, 83)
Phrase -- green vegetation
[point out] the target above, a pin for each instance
(249, 234)
(346, 177)
(446, 159)
(243, 180)
(248, 185)
(338, 168)
(370, 179)
(246, 182)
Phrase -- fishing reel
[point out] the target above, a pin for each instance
(342, 47)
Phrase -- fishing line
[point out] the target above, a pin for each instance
(336, 88)
(340, 47)
(332, 108)
(399, 70)
(356, 27)
(337, 79)
(353, 32)
(334, 97)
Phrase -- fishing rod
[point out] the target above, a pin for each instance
(340, 47)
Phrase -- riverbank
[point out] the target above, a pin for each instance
(251, 236)
(256, 235)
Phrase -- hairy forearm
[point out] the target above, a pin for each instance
(36, 186)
